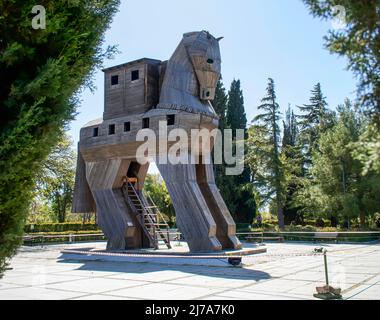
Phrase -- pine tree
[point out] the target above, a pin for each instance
(315, 120)
(268, 166)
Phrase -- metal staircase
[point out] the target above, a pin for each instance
(148, 215)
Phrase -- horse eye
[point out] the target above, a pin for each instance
(210, 61)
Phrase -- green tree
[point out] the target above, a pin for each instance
(292, 160)
(241, 202)
(220, 104)
(220, 107)
(358, 41)
(56, 181)
(264, 156)
(337, 189)
(290, 127)
(367, 149)
(236, 117)
(314, 120)
(42, 71)
(155, 188)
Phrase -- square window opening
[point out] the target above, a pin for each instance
(127, 126)
(95, 132)
(135, 75)
(111, 129)
(145, 123)
(170, 118)
(114, 80)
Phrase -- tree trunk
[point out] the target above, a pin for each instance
(280, 216)
(334, 222)
(362, 219)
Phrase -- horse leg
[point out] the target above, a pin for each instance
(226, 228)
(105, 179)
(193, 217)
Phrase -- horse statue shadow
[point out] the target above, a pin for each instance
(111, 174)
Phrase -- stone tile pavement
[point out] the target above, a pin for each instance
(286, 271)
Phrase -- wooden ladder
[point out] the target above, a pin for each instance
(148, 216)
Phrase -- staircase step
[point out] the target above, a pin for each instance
(147, 217)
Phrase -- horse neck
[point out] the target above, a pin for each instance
(180, 73)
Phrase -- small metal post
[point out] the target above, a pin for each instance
(326, 271)
(327, 292)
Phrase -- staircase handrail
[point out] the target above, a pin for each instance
(160, 215)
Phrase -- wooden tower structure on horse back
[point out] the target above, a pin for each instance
(141, 95)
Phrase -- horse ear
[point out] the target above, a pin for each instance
(220, 38)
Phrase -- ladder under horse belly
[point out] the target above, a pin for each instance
(148, 215)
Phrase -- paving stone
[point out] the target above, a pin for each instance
(287, 271)
(94, 285)
(36, 293)
(166, 291)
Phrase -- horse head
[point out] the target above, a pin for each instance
(192, 74)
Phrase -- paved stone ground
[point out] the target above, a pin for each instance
(286, 271)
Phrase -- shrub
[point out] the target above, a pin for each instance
(299, 228)
(320, 223)
(377, 220)
(269, 226)
(60, 227)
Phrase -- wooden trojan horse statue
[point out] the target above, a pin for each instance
(141, 95)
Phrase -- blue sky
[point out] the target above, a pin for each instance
(263, 38)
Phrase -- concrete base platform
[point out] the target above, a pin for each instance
(179, 255)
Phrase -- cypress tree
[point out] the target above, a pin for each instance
(220, 107)
(241, 203)
(41, 71)
(220, 103)
(290, 126)
(292, 157)
(236, 117)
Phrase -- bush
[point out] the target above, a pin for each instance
(60, 227)
(327, 223)
(319, 223)
(377, 220)
(269, 226)
(299, 228)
